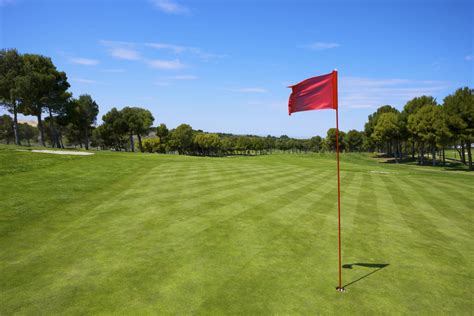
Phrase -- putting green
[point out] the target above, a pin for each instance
(138, 233)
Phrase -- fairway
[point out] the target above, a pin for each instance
(149, 233)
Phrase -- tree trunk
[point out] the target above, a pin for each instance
(469, 153)
(444, 158)
(433, 153)
(413, 150)
(140, 142)
(463, 153)
(132, 145)
(54, 134)
(16, 130)
(86, 137)
(422, 153)
(41, 130)
(396, 151)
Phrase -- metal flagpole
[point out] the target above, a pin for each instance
(339, 288)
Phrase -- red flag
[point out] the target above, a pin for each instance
(315, 93)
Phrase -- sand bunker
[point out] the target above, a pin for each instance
(59, 152)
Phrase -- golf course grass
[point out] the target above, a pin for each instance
(167, 234)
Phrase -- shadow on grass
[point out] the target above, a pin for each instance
(450, 165)
(376, 266)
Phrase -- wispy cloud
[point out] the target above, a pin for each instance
(249, 90)
(179, 49)
(469, 57)
(356, 92)
(185, 77)
(170, 7)
(125, 53)
(133, 51)
(85, 81)
(84, 61)
(162, 83)
(122, 50)
(165, 64)
(322, 45)
(174, 48)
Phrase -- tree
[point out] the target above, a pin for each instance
(372, 122)
(162, 131)
(27, 132)
(315, 143)
(331, 140)
(139, 122)
(459, 108)
(411, 107)
(387, 131)
(83, 115)
(6, 128)
(427, 124)
(41, 88)
(111, 133)
(207, 143)
(11, 68)
(181, 138)
(354, 140)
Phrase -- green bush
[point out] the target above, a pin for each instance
(152, 145)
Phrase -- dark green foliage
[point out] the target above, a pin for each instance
(138, 123)
(81, 117)
(354, 140)
(6, 129)
(459, 108)
(11, 69)
(28, 132)
(181, 138)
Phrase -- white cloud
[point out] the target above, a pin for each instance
(162, 83)
(81, 80)
(84, 61)
(185, 77)
(125, 53)
(249, 90)
(165, 64)
(322, 45)
(179, 49)
(175, 48)
(357, 92)
(469, 57)
(171, 7)
(122, 50)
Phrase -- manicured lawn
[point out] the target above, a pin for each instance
(138, 233)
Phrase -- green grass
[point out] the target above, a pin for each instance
(137, 233)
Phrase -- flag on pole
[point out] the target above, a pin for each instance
(319, 93)
(315, 93)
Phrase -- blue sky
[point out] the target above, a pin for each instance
(223, 66)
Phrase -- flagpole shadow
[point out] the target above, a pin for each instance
(376, 266)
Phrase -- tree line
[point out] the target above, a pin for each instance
(424, 126)
(30, 84)
(120, 128)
